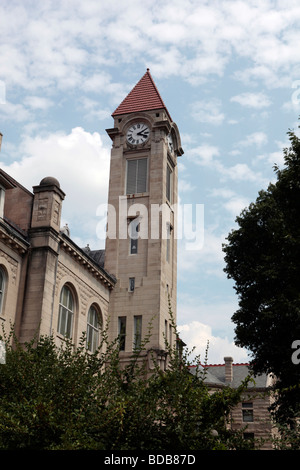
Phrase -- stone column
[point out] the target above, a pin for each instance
(43, 256)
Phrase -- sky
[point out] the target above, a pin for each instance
(229, 74)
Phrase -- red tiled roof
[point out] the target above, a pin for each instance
(143, 97)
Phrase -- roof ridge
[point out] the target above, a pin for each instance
(144, 96)
(222, 365)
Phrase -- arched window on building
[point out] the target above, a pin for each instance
(94, 323)
(2, 287)
(66, 312)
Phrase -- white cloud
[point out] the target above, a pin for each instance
(185, 186)
(270, 158)
(259, 74)
(222, 192)
(165, 63)
(276, 158)
(15, 112)
(204, 154)
(96, 81)
(208, 112)
(207, 253)
(92, 110)
(198, 335)
(80, 162)
(256, 138)
(233, 203)
(43, 46)
(38, 102)
(240, 172)
(102, 82)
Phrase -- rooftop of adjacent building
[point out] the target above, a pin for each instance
(97, 255)
(230, 373)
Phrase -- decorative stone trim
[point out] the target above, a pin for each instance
(88, 264)
(14, 243)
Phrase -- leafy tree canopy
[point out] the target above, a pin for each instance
(66, 398)
(263, 258)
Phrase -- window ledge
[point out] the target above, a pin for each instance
(134, 196)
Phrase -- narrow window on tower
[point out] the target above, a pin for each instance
(131, 284)
(137, 340)
(134, 234)
(122, 333)
(136, 181)
(168, 242)
(169, 184)
(166, 331)
(169, 230)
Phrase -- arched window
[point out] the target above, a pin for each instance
(93, 329)
(66, 312)
(2, 287)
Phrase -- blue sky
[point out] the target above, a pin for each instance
(229, 74)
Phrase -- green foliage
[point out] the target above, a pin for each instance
(263, 258)
(288, 437)
(66, 398)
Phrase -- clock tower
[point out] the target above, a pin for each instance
(141, 248)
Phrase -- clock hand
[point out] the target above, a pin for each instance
(142, 133)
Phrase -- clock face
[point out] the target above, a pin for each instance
(138, 133)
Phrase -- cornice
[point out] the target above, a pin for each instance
(11, 238)
(86, 262)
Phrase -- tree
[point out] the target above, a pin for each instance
(66, 398)
(263, 258)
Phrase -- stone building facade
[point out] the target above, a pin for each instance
(141, 248)
(252, 414)
(48, 284)
(51, 286)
